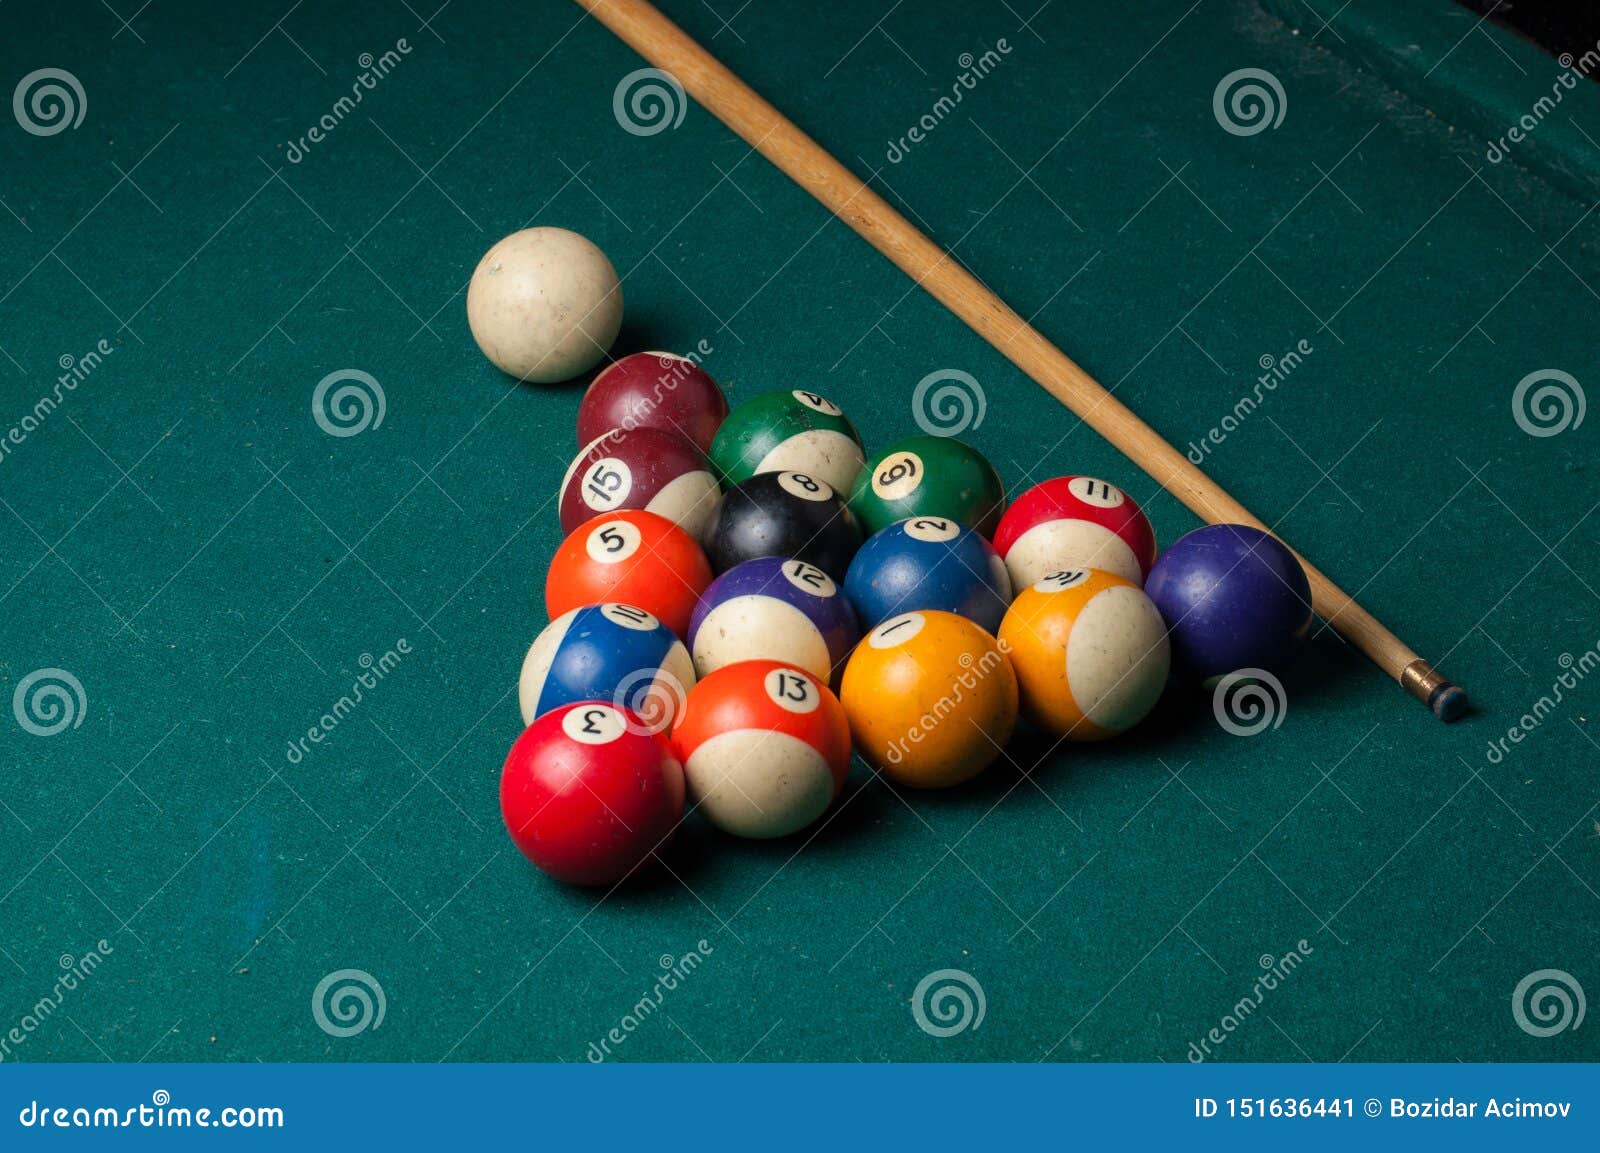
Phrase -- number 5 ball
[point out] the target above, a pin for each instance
(635, 557)
(931, 698)
(1090, 652)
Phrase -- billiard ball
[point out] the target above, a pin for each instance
(653, 390)
(787, 514)
(765, 747)
(773, 608)
(633, 557)
(588, 795)
(607, 652)
(794, 431)
(928, 562)
(1234, 598)
(928, 476)
(1090, 651)
(640, 468)
(931, 699)
(544, 304)
(1075, 522)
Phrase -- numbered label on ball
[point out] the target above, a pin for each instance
(1092, 490)
(933, 529)
(808, 578)
(594, 724)
(818, 403)
(614, 542)
(793, 691)
(1061, 580)
(606, 484)
(803, 486)
(898, 476)
(896, 630)
(629, 617)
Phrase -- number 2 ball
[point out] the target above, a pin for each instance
(787, 514)
(653, 390)
(1234, 598)
(588, 795)
(765, 747)
(788, 431)
(1075, 522)
(633, 557)
(773, 608)
(928, 476)
(640, 468)
(928, 562)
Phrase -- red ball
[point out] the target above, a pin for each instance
(588, 793)
(1075, 522)
(632, 557)
(653, 390)
(640, 468)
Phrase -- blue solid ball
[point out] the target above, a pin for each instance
(1233, 598)
(776, 609)
(928, 562)
(606, 652)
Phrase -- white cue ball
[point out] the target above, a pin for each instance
(544, 304)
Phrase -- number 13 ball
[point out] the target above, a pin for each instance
(1075, 522)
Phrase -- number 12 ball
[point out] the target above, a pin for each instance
(773, 608)
(788, 431)
(928, 476)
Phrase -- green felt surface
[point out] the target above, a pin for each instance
(181, 536)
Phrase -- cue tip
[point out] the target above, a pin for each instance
(1423, 681)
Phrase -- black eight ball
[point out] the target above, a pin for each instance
(787, 514)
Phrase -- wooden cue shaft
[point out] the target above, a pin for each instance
(764, 128)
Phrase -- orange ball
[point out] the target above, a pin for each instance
(931, 698)
(634, 557)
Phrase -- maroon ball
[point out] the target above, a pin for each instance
(640, 468)
(653, 390)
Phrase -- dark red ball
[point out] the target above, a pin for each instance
(643, 468)
(653, 390)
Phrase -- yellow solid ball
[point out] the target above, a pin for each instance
(931, 699)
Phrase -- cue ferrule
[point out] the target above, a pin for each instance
(1429, 686)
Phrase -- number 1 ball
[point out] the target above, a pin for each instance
(634, 557)
(640, 468)
(588, 795)
(794, 430)
(1075, 522)
(544, 304)
(1234, 598)
(653, 390)
(765, 747)
(787, 514)
(928, 476)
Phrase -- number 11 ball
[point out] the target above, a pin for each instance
(1075, 522)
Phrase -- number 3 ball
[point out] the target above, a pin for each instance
(1075, 522)
(928, 476)
(588, 795)
(608, 652)
(773, 608)
(635, 557)
(653, 390)
(640, 468)
(1234, 597)
(765, 747)
(787, 514)
(928, 562)
(779, 431)
(931, 699)
(1090, 651)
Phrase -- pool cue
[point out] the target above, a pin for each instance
(640, 25)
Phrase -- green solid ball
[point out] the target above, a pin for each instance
(794, 431)
(929, 476)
